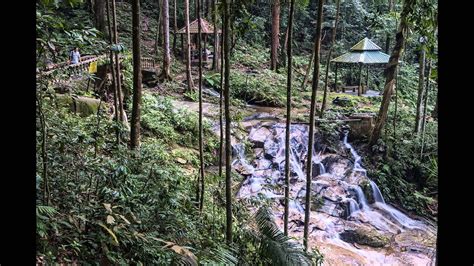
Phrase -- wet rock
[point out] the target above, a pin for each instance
(263, 163)
(365, 236)
(329, 161)
(258, 136)
(270, 149)
(317, 169)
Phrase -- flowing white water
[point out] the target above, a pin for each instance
(339, 197)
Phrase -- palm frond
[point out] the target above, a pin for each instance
(275, 246)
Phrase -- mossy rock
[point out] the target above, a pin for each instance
(84, 106)
(365, 236)
(367, 189)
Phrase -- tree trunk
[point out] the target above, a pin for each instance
(309, 168)
(114, 82)
(387, 38)
(275, 35)
(137, 77)
(99, 15)
(188, 47)
(425, 103)
(201, 153)
(228, 147)
(175, 25)
(434, 114)
(118, 80)
(390, 71)
(215, 59)
(308, 70)
(165, 72)
(221, 126)
(328, 59)
(160, 23)
(421, 92)
(288, 119)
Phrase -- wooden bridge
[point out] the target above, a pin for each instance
(147, 64)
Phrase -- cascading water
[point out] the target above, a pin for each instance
(337, 199)
(376, 192)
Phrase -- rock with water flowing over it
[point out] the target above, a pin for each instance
(258, 136)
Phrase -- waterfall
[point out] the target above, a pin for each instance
(361, 197)
(353, 206)
(376, 192)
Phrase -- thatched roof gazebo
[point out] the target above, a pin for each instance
(364, 53)
(206, 29)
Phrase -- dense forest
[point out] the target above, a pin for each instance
(236, 132)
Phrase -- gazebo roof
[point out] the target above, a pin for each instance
(364, 52)
(206, 28)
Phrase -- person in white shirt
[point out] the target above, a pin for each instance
(75, 56)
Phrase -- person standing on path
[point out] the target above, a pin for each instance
(75, 56)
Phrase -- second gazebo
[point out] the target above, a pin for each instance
(206, 29)
(364, 53)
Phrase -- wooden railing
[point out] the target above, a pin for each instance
(148, 63)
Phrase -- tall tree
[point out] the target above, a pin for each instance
(390, 69)
(123, 115)
(387, 38)
(228, 177)
(328, 59)
(309, 166)
(165, 72)
(175, 24)
(201, 153)
(275, 35)
(99, 15)
(421, 90)
(221, 126)
(215, 58)
(189, 77)
(288, 118)
(114, 82)
(137, 77)
(425, 103)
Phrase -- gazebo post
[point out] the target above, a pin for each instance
(335, 78)
(360, 80)
(367, 80)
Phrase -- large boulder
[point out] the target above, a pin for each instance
(84, 106)
(365, 236)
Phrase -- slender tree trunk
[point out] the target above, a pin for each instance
(118, 80)
(387, 38)
(308, 70)
(285, 43)
(309, 167)
(288, 118)
(425, 103)
(114, 82)
(137, 77)
(215, 59)
(275, 35)
(188, 47)
(421, 91)
(221, 126)
(160, 23)
(390, 71)
(99, 15)
(175, 25)
(44, 157)
(165, 73)
(228, 147)
(201, 152)
(328, 59)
